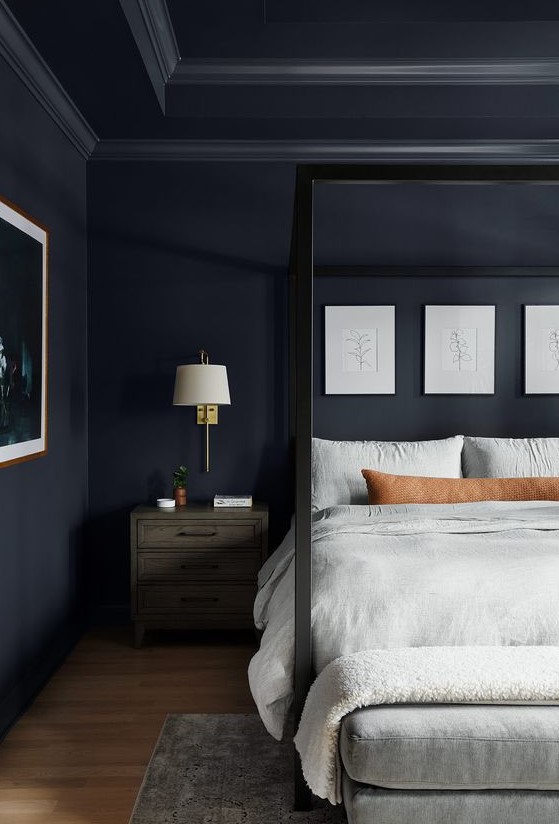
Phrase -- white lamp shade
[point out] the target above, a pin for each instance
(201, 383)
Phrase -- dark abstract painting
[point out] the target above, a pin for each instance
(23, 336)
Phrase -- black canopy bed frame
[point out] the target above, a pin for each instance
(301, 273)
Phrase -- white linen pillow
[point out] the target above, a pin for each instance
(337, 465)
(510, 457)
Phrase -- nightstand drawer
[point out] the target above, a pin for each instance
(195, 567)
(200, 533)
(199, 598)
(209, 565)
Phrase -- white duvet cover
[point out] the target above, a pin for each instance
(410, 576)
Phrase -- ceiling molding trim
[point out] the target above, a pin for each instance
(365, 73)
(544, 151)
(22, 56)
(152, 29)
(162, 34)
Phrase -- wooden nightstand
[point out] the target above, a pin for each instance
(195, 566)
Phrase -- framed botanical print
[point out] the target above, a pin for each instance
(23, 336)
(459, 350)
(360, 350)
(541, 350)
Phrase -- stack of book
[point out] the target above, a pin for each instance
(233, 500)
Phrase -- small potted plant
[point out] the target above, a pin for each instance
(179, 485)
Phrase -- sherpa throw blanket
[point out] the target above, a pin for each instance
(413, 675)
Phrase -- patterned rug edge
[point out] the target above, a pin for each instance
(221, 769)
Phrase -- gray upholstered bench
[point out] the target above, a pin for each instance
(435, 764)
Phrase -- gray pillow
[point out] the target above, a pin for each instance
(510, 457)
(337, 465)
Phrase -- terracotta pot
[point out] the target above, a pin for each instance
(180, 496)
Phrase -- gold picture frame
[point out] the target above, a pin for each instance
(23, 335)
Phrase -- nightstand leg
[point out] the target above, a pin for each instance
(139, 630)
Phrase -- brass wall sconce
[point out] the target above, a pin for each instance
(206, 387)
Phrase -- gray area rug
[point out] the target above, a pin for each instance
(221, 769)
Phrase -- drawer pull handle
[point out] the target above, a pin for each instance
(194, 600)
(199, 566)
(189, 534)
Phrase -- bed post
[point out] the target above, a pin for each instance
(301, 363)
(301, 271)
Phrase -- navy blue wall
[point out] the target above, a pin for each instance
(409, 414)
(433, 225)
(43, 502)
(184, 256)
(189, 255)
(438, 225)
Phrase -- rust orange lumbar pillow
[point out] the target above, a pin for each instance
(412, 489)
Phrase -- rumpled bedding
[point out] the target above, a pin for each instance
(410, 576)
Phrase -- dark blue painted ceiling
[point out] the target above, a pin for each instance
(361, 11)
(361, 29)
(91, 49)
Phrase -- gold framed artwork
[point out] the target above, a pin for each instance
(23, 335)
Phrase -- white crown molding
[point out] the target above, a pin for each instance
(545, 151)
(22, 56)
(152, 29)
(365, 73)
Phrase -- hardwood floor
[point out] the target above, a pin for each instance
(79, 754)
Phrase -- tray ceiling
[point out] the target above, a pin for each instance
(284, 70)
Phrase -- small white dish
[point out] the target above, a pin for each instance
(166, 503)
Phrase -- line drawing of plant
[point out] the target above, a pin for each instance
(459, 347)
(554, 345)
(360, 341)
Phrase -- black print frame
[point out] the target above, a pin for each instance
(459, 350)
(23, 336)
(541, 350)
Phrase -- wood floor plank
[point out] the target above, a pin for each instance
(79, 754)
